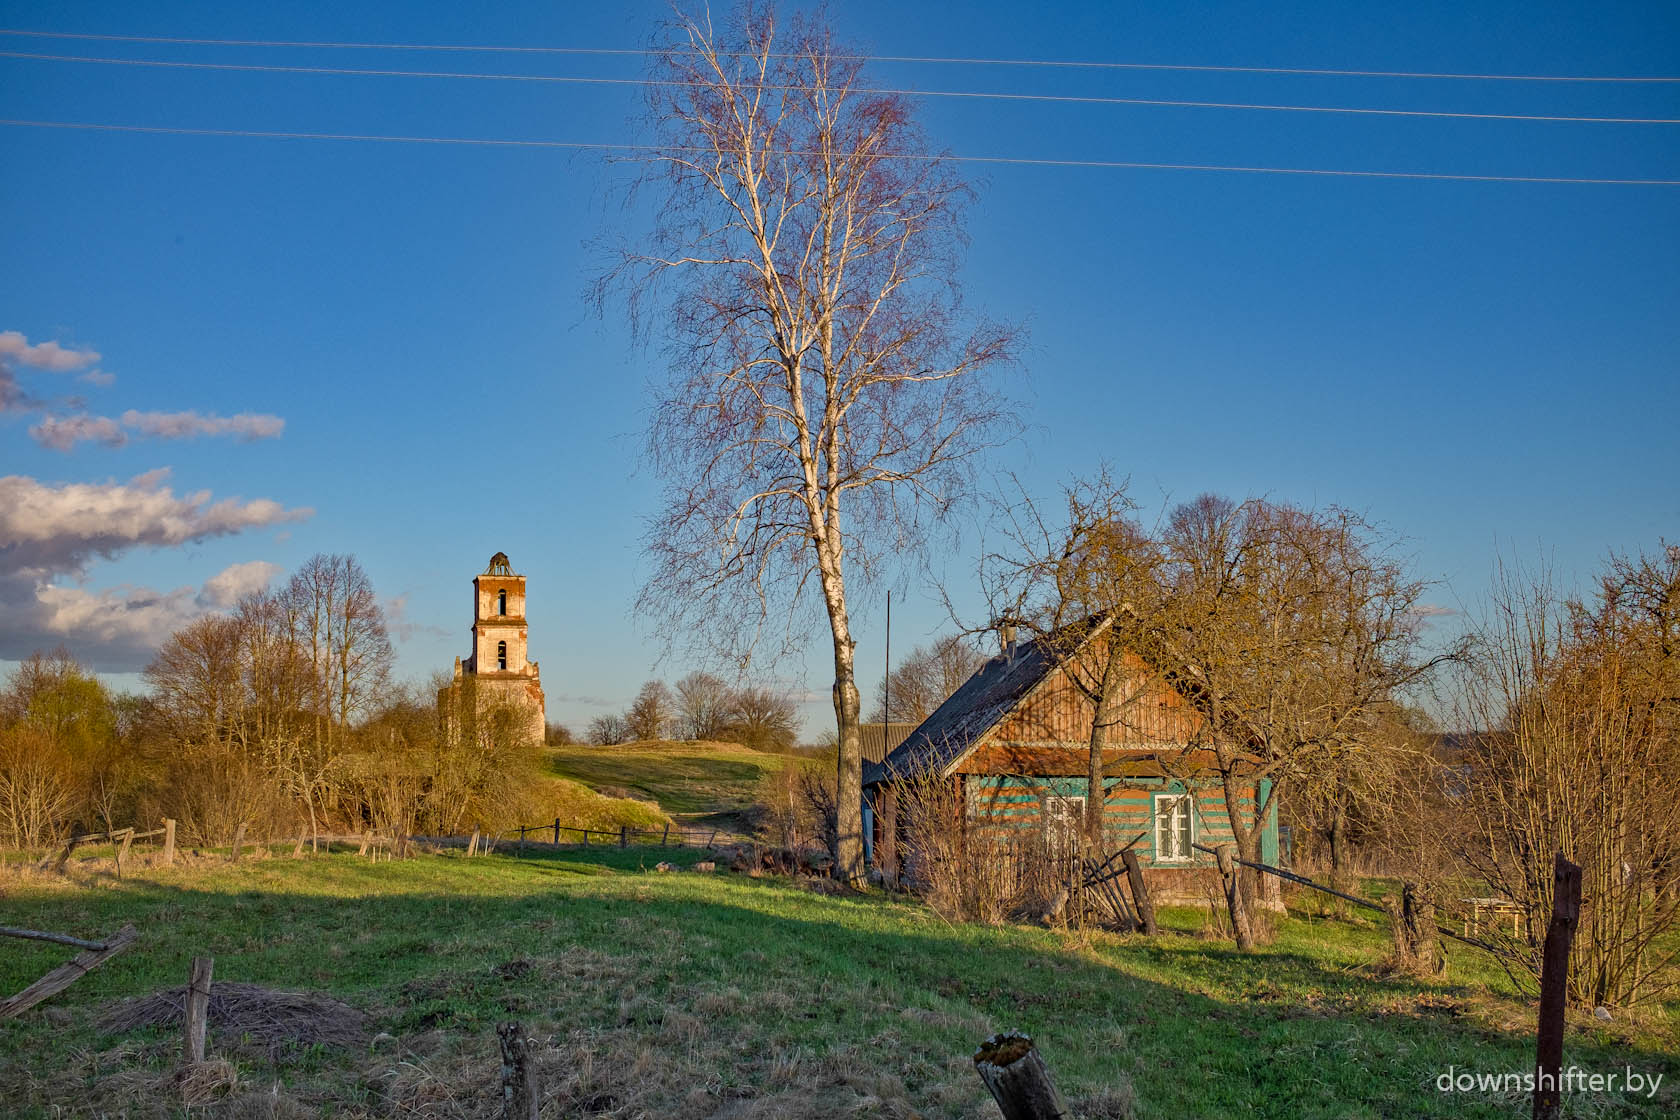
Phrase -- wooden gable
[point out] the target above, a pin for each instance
(1151, 713)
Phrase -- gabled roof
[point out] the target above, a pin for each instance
(973, 710)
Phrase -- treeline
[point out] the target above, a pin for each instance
(703, 707)
(279, 715)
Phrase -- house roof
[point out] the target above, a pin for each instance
(880, 739)
(969, 713)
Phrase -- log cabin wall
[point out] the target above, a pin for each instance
(1020, 802)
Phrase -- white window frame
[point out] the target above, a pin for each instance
(1188, 800)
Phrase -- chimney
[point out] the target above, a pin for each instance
(1006, 637)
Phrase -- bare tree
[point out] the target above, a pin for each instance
(651, 713)
(825, 393)
(608, 730)
(1297, 629)
(1081, 583)
(703, 703)
(1576, 703)
(924, 679)
(762, 719)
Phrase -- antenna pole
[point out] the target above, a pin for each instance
(886, 681)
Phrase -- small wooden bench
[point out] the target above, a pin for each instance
(1497, 913)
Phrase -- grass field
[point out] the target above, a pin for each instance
(722, 997)
(690, 781)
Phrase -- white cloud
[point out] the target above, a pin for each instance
(58, 528)
(61, 433)
(117, 630)
(189, 425)
(46, 355)
(98, 377)
(234, 582)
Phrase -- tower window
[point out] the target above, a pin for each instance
(501, 655)
(501, 602)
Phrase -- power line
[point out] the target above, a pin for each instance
(1017, 161)
(963, 94)
(926, 59)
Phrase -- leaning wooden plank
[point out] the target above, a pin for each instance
(67, 974)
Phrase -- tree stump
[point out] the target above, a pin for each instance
(521, 1090)
(238, 840)
(1018, 1079)
(198, 1008)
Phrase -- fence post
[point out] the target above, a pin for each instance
(238, 840)
(1018, 1079)
(1140, 891)
(1554, 988)
(198, 1007)
(168, 841)
(666, 835)
(623, 836)
(521, 1090)
(557, 833)
(122, 849)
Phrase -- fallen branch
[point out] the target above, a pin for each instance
(56, 938)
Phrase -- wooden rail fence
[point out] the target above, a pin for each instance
(668, 837)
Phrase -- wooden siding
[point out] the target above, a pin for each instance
(1128, 809)
(1153, 712)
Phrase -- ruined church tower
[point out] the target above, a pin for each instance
(499, 668)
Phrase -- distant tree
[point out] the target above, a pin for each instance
(703, 706)
(63, 761)
(608, 730)
(924, 680)
(339, 622)
(651, 713)
(827, 390)
(558, 735)
(763, 720)
(1577, 705)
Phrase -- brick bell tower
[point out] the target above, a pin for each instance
(499, 665)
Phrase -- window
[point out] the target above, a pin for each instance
(501, 655)
(1174, 828)
(501, 601)
(1063, 819)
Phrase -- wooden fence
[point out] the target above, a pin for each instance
(671, 836)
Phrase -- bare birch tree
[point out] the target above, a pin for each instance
(825, 392)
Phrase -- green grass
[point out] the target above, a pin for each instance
(688, 780)
(683, 995)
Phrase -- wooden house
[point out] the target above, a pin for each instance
(1015, 742)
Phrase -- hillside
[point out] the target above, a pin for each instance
(699, 997)
(693, 782)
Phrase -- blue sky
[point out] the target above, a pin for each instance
(1485, 368)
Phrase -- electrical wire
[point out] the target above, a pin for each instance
(656, 152)
(965, 94)
(927, 59)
